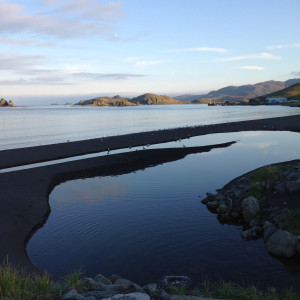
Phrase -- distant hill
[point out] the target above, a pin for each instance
(187, 97)
(238, 93)
(106, 101)
(290, 93)
(4, 103)
(153, 99)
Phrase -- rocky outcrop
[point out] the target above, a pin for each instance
(261, 201)
(117, 288)
(4, 103)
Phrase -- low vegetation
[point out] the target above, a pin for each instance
(291, 221)
(16, 284)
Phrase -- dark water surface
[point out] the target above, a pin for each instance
(152, 223)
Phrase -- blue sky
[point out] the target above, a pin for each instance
(75, 49)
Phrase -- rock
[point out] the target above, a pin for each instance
(184, 297)
(178, 281)
(93, 284)
(220, 197)
(271, 290)
(222, 209)
(74, 295)
(249, 234)
(293, 186)
(10, 103)
(124, 286)
(163, 295)
(205, 200)
(250, 208)
(150, 288)
(131, 296)
(212, 204)
(210, 196)
(280, 188)
(114, 277)
(102, 279)
(279, 242)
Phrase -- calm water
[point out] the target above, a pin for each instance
(151, 223)
(31, 126)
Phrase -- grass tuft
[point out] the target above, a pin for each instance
(266, 173)
(291, 221)
(73, 281)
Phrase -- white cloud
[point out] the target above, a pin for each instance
(131, 59)
(257, 68)
(263, 55)
(277, 47)
(70, 19)
(19, 62)
(150, 62)
(199, 49)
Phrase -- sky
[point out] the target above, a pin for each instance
(62, 50)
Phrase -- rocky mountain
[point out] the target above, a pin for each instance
(106, 101)
(237, 93)
(290, 93)
(153, 99)
(4, 103)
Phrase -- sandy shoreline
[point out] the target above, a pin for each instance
(29, 155)
(24, 203)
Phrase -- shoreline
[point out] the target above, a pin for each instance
(26, 208)
(29, 155)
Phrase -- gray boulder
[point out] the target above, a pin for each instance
(212, 204)
(74, 295)
(222, 209)
(93, 284)
(279, 242)
(102, 279)
(150, 288)
(131, 296)
(251, 208)
(293, 186)
(122, 286)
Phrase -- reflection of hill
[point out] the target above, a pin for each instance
(25, 209)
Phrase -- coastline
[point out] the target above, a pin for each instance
(25, 209)
(29, 155)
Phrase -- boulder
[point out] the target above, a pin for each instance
(102, 279)
(293, 186)
(251, 208)
(131, 296)
(124, 286)
(150, 288)
(222, 209)
(280, 188)
(212, 204)
(74, 295)
(114, 277)
(93, 284)
(279, 242)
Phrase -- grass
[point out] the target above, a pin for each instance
(291, 221)
(266, 173)
(17, 285)
(233, 291)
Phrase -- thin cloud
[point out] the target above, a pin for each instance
(71, 19)
(257, 68)
(96, 76)
(19, 62)
(198, 49)
(35, 81)
(264, 55)
(150, 62)
(295, 73)
(283, 46)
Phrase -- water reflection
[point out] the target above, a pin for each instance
(152, 223)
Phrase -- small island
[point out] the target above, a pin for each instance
(4, 103)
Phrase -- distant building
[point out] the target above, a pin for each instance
(276, 100)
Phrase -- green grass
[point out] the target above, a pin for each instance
(291, 222)
(17, 285)
(266, 173)
(233, 291)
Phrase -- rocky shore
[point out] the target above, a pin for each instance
(266, 203)
(116, 288)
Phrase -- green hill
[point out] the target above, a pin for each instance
(153, 99)
(106, 101)
(290, 93)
